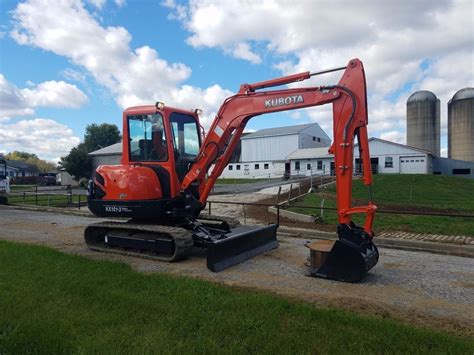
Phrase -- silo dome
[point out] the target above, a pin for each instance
(422, 95)
(461, 125)
(423, 121)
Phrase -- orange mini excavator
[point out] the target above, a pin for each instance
(168, 169)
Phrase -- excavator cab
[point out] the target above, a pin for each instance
(160, 145)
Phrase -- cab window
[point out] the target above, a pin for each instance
(186, 138)
(147, 138)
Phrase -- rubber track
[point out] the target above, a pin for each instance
(183, 240)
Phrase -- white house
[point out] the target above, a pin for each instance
(386, 158)
(264, 153)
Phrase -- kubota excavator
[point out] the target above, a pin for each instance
(165, 178)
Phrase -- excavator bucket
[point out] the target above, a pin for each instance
(346, 259)
(240, 244)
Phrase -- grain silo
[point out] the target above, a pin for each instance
(423, 121)
(461, 125)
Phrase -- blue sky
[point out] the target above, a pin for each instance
(66, 64)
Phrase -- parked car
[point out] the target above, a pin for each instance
(47, 179)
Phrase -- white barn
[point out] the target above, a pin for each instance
(386, 158)
(264, 153)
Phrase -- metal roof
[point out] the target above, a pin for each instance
(21, 165)
(422, 95)
(114, 149)
(310, 153)
(283, 131)
(397, 144)
(466, 93)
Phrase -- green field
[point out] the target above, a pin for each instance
(57, 303)
(412, 193)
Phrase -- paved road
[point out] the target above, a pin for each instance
(417, 287)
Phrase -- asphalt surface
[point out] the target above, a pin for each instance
(416, 287)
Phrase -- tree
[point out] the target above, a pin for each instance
(32, 159)
(77, 162)
(101, 136)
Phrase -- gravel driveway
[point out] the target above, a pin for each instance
(420, 288)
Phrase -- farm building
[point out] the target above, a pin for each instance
(110, 155)
(386, 157)
(264, 153)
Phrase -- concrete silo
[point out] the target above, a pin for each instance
(423, 121)
(461, 125)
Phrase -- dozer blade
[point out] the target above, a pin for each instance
(240, 244)
(343, 259)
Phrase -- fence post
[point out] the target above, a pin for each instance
(278, 214)
(23, 197)
(289, 195)
(79, 201)
(322, 208)
(245, 216)
(278, 195)
(49, 198)
(36, 195)
(210, 203)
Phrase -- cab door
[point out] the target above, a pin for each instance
(186, 141)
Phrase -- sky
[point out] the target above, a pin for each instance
(65, 64)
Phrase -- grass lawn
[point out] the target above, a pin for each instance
(433, 191)
(394, 191)
(18, 188)
(54, 200)
(57, 303)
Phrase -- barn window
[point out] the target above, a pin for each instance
(388, 162)
(257, 166)
(319, 139)
(422, 160)
(308, 166)
(265, 166)
(320, 165)
(230, 167)
(297, 165)
(237, 167)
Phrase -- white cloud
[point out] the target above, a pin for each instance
(134, 76)
(55, 94)
(99, 4)
(405, 46)
(45, 137)
(73, 75)
(242, 51)
(12, 102)
(21, 102)
(394, 136)
(120, 3)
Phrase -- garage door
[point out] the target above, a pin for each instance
(413, 165)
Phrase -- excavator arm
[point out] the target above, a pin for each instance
(349, 99)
